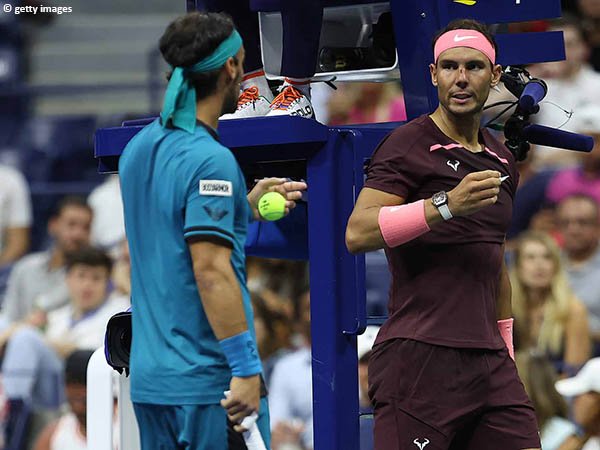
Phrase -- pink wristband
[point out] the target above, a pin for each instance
(400, 224)
(505, 326)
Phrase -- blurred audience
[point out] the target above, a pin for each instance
(551, 409)
(278, 282)
(37, 282)
(572, 85)
(273, 333)
(548, 316)
(69, 431)
(590, 14)
(584, 389)
(290, 390)
(531, 211)
(356, 103)
(15, 215)
(32, 367)
(584, 178)
(121, 273)
(578, 220)
(108, 226)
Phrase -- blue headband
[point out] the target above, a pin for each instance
(180, 99)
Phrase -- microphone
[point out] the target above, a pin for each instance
(553, 137)
(533, 93)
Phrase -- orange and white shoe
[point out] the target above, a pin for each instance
(250, 104)
(291, 102)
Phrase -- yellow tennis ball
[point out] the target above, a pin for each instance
(271, 206)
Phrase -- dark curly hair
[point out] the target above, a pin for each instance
(88, 256)
(467, 24)
(191, 38)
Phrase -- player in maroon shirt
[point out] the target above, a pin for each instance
(438, 198)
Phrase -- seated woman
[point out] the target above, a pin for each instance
(538, 377)
(548, 316)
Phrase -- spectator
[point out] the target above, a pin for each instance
(548, 316)
(590, 13)
(572, 85)
(585, 388)
(538, 377)
(121, 273)
(69, 431)
(578, 220)
(15, 215)
(367, 103)
(108, 226)
(290, 391)
(585, 178)
(37, 282)
(33, 361)
(273, 333)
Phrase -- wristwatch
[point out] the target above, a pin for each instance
(440, 201)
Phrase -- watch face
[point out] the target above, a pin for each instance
(439, 199)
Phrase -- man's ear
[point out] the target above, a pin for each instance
(230, 70)
(433, 72)
(496, 74)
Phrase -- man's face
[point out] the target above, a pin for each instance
(576, 53)
(578, 223)
(586, 411)
(76, 397)
(87, 286)
(464, 77)
(233, 89)
(71, 228)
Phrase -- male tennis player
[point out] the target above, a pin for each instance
(186, 214)
(438, 197)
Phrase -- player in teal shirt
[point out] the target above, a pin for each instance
(186, 214)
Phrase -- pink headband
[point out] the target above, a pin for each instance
(464, 38)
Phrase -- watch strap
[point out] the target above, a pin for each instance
(445, 212)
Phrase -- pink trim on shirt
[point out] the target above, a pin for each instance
(502, 160)
(447, 147)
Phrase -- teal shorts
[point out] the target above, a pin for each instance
(192, 427)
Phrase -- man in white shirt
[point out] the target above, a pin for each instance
(108, 226)
(37, 282)
(15, 215)
(572, 85)
(584, 388)
(32, 368)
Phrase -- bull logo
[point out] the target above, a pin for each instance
(421, 445)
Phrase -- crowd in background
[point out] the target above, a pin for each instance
(56, 299)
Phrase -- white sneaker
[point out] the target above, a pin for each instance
(250, 104)
(292, 102)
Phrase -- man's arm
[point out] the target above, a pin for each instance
(363, 233)
(504, 309)
(222, 302)
(16, 244)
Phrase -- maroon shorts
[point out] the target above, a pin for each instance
(429, 397)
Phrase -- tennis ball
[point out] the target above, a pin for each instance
(271, 206)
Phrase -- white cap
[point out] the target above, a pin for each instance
(587, 380)
(365, 341)
(587, 119)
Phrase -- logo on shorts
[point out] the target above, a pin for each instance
(219, 188)
(454, 164)
(421, 445)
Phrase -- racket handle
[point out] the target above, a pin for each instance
(252, 436)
